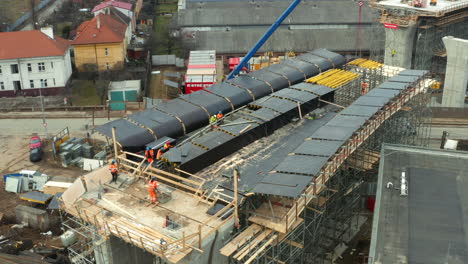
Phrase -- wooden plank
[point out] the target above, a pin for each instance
(240, 239)
(294, 243)
(251, 245)
(260, 250)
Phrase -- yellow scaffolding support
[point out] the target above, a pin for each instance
(333, 78)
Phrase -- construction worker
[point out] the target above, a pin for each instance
(167, 146)
(393, 52)
(213, 119)
(219, 115)
(159, 154)
(149, 154)
(113, 170)
(152, 190)
(363, 88)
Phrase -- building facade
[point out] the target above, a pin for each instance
(43, 68)
(101, 44)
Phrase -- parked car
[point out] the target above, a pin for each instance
(35, 154)
(35, 142)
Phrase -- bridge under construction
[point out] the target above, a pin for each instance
(278, 180)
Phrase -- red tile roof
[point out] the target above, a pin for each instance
(119, 4)
(110, 31)
(30, 43)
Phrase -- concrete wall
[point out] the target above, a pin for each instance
(399, 46)
(116, 251)
(235, 26)
(456, 74)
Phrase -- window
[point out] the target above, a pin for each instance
(29, 67)
(31, 83)
(51, 65)
(0, 69)
(2, 86)
(43, 82)
(106, 51)
(14, 68)
(41, 66)
(107, 66)
(54, 81)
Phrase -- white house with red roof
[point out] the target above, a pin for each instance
(125, 8)
(33, 62)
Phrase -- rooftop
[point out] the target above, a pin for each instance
(402, 231)
(19, 44)
(101, 29)
(118, 4)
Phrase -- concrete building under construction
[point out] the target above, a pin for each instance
(277, 180)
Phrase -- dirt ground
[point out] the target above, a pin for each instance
(14, 156)
(157, 89)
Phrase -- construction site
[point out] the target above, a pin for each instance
(280, 164)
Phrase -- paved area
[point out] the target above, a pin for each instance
(46, 12)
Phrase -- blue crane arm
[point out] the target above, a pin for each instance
(264, 38)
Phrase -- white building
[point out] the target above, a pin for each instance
(33, 62)
(123, 7)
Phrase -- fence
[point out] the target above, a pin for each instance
(158, 60)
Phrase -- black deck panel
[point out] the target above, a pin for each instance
(160, 123)
(238, 96)
(213, 139)
(348, 121)
(127, 133)
(235, 129)
(301, 164)
(333, 133)
(336, 58)
(288, 185)
(318, 147)
(174, 155)
(294, 75)
(291, 180)
(371, 101)
(393, 85)
(308, 68)
(322, 63)
(297, 95)
(188, 151)
(377, 92)
(276, 81)
(272, 189)
(192, 116)
(265, 114)
(360, 110)
(413, 72)
(404, 78)
(277, 104)
(312, 88)
(256, 87)
(209, 101)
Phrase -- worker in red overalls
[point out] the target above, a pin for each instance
(152, 190)
(149, 154)
(114, 171)
(363, 88)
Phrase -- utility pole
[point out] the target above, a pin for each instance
(44, 123)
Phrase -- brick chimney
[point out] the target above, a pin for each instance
(48, 31)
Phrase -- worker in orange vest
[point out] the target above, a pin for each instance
(113, 170)
(152, 190)
(159, 154)
(363, 88)
(149, 154)
(219, 115)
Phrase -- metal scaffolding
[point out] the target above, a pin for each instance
(336, 216)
